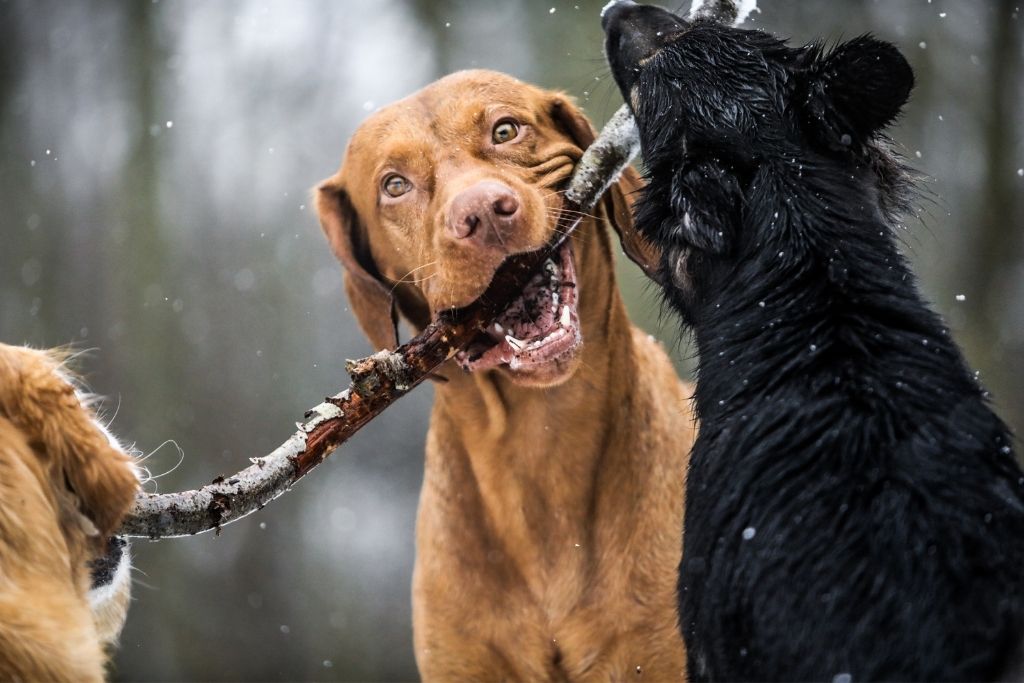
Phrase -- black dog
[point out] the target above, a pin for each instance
(854, 509)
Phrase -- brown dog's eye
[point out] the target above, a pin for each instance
(504, 131)
(395, 185)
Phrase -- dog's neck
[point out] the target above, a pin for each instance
(530, 460)
(817, 274)
(490, 405)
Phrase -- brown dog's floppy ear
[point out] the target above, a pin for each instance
(43, 405)
(617, 202)
(618, 205)
(573, 122)
(372, 301)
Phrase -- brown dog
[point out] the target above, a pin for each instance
(549, 522)
(64, 488)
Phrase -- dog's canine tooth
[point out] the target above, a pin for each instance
(517, 344)
(566, 318)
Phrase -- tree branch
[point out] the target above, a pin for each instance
(381, 379)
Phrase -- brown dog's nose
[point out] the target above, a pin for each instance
(484, 213)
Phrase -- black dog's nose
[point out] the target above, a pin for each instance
(613, 8)
(635, 32)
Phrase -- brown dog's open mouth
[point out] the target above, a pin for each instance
(540, 327)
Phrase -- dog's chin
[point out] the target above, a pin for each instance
(543, 375)
(537, 340)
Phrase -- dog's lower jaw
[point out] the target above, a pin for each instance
(549, 374)
(537, 340)
(110, 593)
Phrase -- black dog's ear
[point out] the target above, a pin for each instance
(856, 90)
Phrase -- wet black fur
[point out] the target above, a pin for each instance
(853, 504)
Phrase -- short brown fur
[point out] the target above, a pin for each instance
(63, 488)
(550, 516)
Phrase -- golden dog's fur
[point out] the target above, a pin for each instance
(550, 517)
(64, 488)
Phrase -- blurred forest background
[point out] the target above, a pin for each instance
(155, 166)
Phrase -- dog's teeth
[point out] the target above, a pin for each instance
(516, 343)
(565, 320)
(498, 328)
(540, 343)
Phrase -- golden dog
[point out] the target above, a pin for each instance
(550, 516)
(64, 488)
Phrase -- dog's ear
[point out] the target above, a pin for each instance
(371, 299)
(618, 206)
(855, 90)
(36, 394)
(101, 476)
(572, 121)
(617, 202)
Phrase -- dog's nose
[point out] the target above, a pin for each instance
(613, 8)
(635, 32)
(484, 213)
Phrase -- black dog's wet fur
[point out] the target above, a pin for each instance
(853, 504)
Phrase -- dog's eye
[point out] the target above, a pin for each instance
(504, 131)
(395, 185)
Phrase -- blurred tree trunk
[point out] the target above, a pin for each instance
(995, 250)
(434, 15)
(27, 222)
(10, 48)
(138, 259)
(12, 176)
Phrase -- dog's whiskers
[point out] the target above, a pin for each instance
(414, 281)
(153, 477)
(570, 212)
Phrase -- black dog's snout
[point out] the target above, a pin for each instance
(612, 9)
(634, 33)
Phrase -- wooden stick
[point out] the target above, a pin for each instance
(381, 379)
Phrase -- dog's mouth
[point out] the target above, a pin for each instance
(538, 329)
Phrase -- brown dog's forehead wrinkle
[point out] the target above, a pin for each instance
(397, 138)
(467, 98)
(448, 115)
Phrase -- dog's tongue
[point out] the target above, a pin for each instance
(538, 327)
